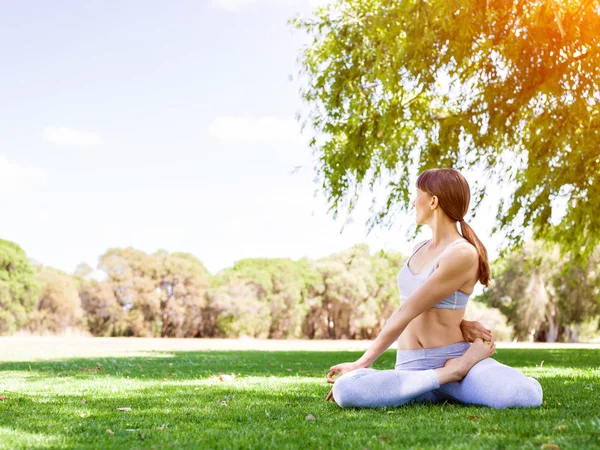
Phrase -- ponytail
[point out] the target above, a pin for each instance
(484, 267)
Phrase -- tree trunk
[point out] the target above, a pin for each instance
(552, 333)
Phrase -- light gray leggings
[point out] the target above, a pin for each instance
(488, 383)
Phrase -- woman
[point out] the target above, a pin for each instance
(433, 360)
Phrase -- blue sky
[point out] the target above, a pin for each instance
(164, 125)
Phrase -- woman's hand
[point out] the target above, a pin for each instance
(472, 330)
(340, 369)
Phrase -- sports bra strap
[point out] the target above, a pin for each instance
(440, 255)
(453, 243)
(415, 252)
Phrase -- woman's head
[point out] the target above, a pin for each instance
(450, 188)
(446, 192)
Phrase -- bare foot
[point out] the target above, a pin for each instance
(479, 350)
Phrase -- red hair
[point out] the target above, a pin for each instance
(453, 193)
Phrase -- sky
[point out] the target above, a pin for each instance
(166, 125)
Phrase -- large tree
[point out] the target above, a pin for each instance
(511, 87)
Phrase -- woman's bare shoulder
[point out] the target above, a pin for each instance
(463, 253)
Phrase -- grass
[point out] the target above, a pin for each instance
(178, 401)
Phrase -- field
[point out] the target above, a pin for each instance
(66, 393)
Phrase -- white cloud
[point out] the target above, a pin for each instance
(16, 178)
(315, 3)
(68, 137)
(251, 130)
(236, 5)
(232, 5)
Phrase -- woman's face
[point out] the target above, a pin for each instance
(420, 202)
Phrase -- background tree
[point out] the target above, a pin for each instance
(347, 284)
(509, 87)
(183, 282)
(19, 287)
(545, 296)
(102, 312)
(158, 295)
(238, 308)
(132, 275)
(349, 294)
(58, 306)
(279, 284)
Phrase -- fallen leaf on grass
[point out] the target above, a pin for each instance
(561, 427)
(310, 417)
(3, 397)
(160, 428)
(224, 377)
(83, 400)
(384, 438)
(473, 417)
(109, 431)
(124, 409)
(550, 447)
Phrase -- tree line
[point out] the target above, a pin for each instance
(535, 294)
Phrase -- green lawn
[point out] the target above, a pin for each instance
(175, 403)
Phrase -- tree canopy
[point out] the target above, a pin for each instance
(510, 87)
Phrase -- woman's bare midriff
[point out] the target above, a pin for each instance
(433, 328)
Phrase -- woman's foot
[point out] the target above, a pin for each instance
(479, 350)
(456, 369)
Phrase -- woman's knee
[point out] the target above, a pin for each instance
(525, 394)
(535, 393)
(342, 391)
(339, 394)
(344, 388)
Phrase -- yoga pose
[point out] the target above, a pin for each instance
(434, 360)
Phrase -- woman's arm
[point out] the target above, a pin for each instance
(393, 328)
